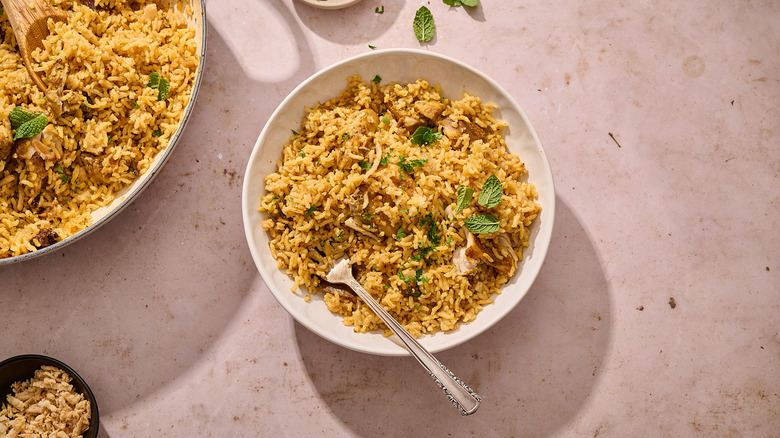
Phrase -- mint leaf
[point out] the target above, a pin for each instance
(464, 198)
(154, 80)
(482, 224)
(20, 116)
(423, 24)
(31, 128)
(164, 87)
(425, 135)
(469, 3)
(491, 192)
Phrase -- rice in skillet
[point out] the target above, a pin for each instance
(417, 190)
(123, 72)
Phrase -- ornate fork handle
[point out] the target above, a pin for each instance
(458, 392)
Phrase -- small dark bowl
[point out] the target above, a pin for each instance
(21, 368)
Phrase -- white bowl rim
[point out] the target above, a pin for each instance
(395, 348)
(330, 4)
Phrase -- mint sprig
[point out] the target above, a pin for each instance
(25, 123)
(491, 193)
(423, 25)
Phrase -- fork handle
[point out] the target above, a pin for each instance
(463, 397)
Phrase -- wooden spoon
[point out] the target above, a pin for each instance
(28, 19)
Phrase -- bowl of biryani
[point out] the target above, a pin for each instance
(122, 78)
(425, 173)
(42, 396)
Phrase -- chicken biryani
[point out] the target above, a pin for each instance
(419, 191)
(119, 75)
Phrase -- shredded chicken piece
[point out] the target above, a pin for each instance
(350, 222)
(455, 128)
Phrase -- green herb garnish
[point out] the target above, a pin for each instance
(310, 211)
(469, 3)
(482, 224)
(400, 234)
(380, 11)
(302, 153)
(385, 120)
(295, 132)
(464, 198)
(425, 135)
(25, 123)
(157, 133)
(371, 47)
(365, 165)
(63, 177)
(423, 24)
(156, 82)
(135, 104)
(377, 79)
(491, 192)
(344, 137)
(410, 165)
(384, 160)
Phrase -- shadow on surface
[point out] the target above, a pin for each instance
(534, 370)
(365, 23)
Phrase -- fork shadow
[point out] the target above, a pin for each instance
(544, 357)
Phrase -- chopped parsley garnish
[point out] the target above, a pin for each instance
(63, 177)
(367, 217)
(423, 25)
(295, 132)
(157, 133)
(491, 193)
(302, 153)
(344, 137)
(365, 165)
(135, 104)
(410, 165)
(425, 135)
(371, 47)
(464, 198)
(380, 11)
(433, 228)
(377, 79)
(310, 211)
(384, 160)
(400, 234)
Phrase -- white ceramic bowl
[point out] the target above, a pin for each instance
(330, 4)
(101, 216)
(403, 66)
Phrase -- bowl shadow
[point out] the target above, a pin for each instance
(534, 369)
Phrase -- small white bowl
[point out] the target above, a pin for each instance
(403, 66)
(330, 4)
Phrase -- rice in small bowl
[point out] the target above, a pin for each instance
(421, 170)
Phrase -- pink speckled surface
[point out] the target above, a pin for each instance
(165, 315)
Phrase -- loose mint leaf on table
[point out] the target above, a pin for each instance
(491, 192)
(482, 224)
(464, 198)
(469, 3)
(423, 24)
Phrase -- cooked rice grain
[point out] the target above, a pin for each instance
(348, 162)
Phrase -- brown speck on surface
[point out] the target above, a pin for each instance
(613, 138)
(640, 308)
(672, 302)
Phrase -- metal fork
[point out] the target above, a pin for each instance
(458, 392)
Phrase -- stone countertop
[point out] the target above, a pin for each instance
(657, 312)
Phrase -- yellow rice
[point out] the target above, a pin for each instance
(112, 124)
(346, 161)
